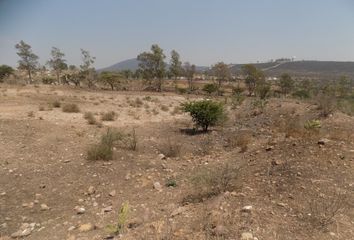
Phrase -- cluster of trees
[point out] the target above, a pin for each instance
(64, 74)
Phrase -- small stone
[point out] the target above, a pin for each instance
(276, 162)
(80, 210)
(91, 190)
(112, 193)
(21, 233)
(128, 176)
(86, 227)
(323, 141)
(161, 156)
(269, 148)
(220, 230)
(44, 207)
(247, 208)
(107, 209)
(157, 186)
(247, 236)
(71, 228)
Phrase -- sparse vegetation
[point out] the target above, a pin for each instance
(104, 149)
(209, 182)
(109, 116)
(70, 108)
(56, 104)
(90, 118)
(171, 149)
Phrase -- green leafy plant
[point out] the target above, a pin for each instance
(121, 221)
(312, 124)
(205, 113)
(171, 183)
(210, 88)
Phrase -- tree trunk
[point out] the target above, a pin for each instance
(29, 76)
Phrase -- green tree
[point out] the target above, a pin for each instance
(5, 71)
(57, 62)
(28, 61)
(111, 79)
(87, 69)
(222, 73)
(205, 113)
(152, 66)
(286, 83)
(175, 65)
(189, 71)
(252, 77)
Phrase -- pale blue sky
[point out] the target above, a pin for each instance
(202, 31)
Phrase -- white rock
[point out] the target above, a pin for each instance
(157, 186)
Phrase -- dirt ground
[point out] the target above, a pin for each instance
(291, 183)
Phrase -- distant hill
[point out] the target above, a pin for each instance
(322, 69)
(133, 64)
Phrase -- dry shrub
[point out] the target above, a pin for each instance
(131, 140)
(206, 145)
(90, 118)
(70, 108)
(155, 111)
(109, 116)
(56, 104)
(41, 108)
(176, 110)
(239, 139)
(171, 149)
(30, 114)
(104, 149)
(322, 210)
(137, 103)
(164, 108)
(326, 104)
(209, 182)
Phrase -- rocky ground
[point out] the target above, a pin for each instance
(258, 176)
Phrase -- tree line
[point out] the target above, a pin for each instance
(154, 71)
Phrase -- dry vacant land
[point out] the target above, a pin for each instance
(259, 175)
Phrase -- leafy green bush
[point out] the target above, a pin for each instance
(205, 113)
(210, 88)
(48, 80)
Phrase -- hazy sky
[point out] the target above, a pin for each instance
(202, 31)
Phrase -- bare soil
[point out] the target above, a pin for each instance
(292, 185)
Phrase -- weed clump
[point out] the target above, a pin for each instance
(109, 116)
(70, 108)
(112, 138)
(56, 104)
(90, 118)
